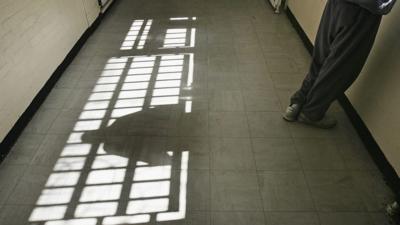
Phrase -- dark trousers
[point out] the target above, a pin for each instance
(344, 40)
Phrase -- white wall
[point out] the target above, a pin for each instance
(376, 93)
(35, 37)
(308, 13)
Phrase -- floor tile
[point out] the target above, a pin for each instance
(374, 191)
(285, 191)
(345, 219)
(355, 155)
(66, 122)
(319, 154)
(255, 81)
(15, 214)
(251, 57)
(237, 218)
(160, 121)
(150, 150)
(198, 190)
(267, 124)
(292, 218)
(51, 148)
(276, 154)
(222, 65)
(251, 68)
(57, 98)
(381, 219)
(226, 101)
(235, 191)
(271, 43)
(287, 81)
(191, 218)
(280, 63)
(231, 154)
(197, 148)
(334, 191)
(190, 124)
(9, 178)
(42, 121)
(24, 149)
(31, 184)
(79, 98)
(261, 100)
(224, 82)
(228, 124)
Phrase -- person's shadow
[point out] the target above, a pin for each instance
(129, 136)
(141, 138)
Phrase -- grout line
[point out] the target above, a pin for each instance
(18, 181)
(250, 138)
(292, 138)
(210, 162)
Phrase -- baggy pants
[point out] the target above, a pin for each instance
(344, 40)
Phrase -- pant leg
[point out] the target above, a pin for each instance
(320, 53)
(356, 29)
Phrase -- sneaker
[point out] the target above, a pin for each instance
(326, 122)
(292, 112)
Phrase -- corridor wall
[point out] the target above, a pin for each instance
(35, 37)
(376, 93)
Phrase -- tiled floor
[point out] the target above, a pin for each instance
(170, 114)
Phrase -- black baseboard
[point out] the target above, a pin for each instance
(368, 140)
(371, 145)
(22, 122)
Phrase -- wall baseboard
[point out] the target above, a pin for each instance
(368, 140)
(371, 145)
(22, 122)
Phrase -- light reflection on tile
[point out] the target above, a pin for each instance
(147, 206)
(96, 105)
(92, 114)
(166, 92)
(109, 161)
(96, 209)
(168, 84)
(117, 113)
(63, 179)
(152, 173)
(87, 125)
(48, 213)
(171, 100)
(101, 96)
(104, 87)
(150, 189)
(89, 221)
(76, 150)
(70, 163)
(128, 103)
(55, 196)
(107, 176)
(112, 72)
(132, 94)
(135, 86)
(118, 220)
(101, 193)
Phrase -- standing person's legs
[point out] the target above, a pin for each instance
(356, 31)
(320, 52)
(343, 43)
